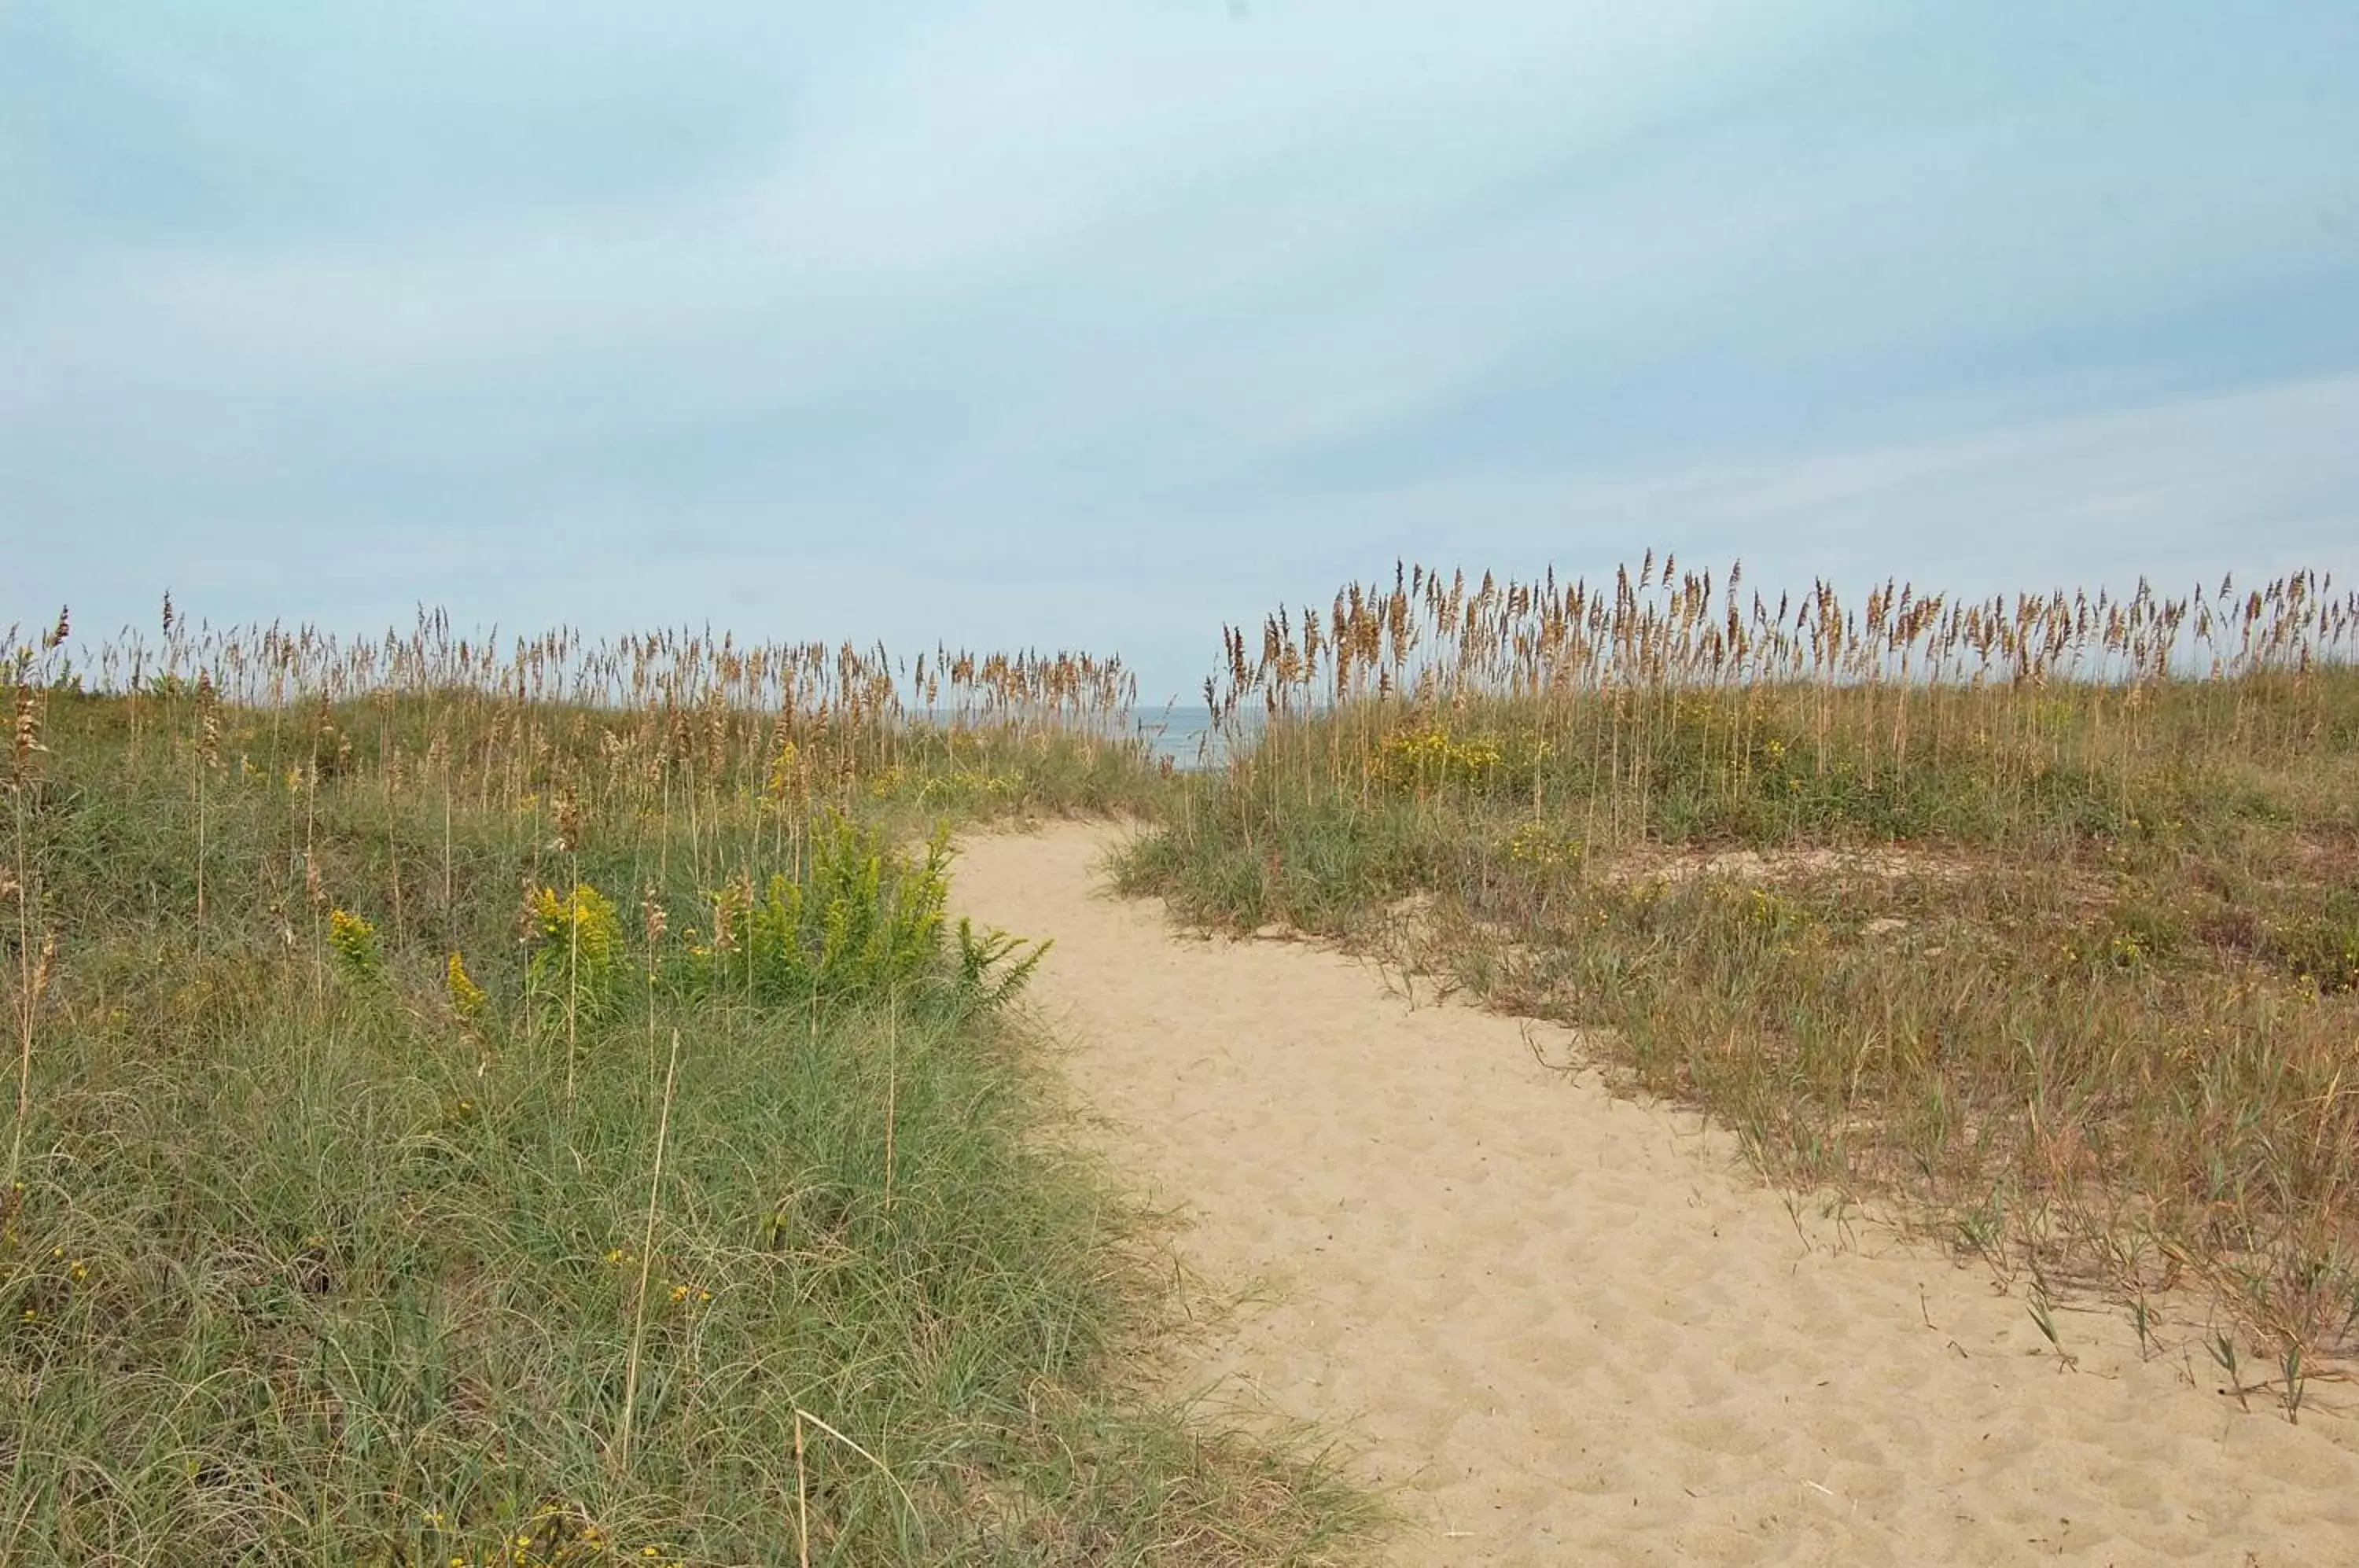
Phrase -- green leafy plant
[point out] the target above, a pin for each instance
(994, 967)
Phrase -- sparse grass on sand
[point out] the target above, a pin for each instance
(472, 1110)
(2040, 916)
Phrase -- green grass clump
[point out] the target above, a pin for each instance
(451, 1129)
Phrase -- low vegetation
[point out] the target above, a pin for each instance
(478, 1111)
(480, 1108)
(2038, 919)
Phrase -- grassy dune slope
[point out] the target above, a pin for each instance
(2042, 915)
(467, 1123)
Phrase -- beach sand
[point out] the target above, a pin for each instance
(1559, 1326)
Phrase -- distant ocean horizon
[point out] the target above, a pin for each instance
(1183, 732)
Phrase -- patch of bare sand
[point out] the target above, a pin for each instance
(1655, 865)
(1571, 1328)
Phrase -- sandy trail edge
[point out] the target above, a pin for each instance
(1571, 1328)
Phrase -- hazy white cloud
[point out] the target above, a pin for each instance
(1079, 323)
(2259, 480)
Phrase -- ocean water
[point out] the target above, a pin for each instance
(1185, 735)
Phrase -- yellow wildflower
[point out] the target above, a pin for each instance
(354, 942)
(467, 998)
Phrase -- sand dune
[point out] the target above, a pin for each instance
(1569, 1328)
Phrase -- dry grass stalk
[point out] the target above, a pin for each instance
(646, 1263)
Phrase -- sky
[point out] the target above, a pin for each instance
(1100, 325)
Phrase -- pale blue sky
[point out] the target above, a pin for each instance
(1098, 324)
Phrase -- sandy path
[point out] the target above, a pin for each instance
(1570, 1329)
